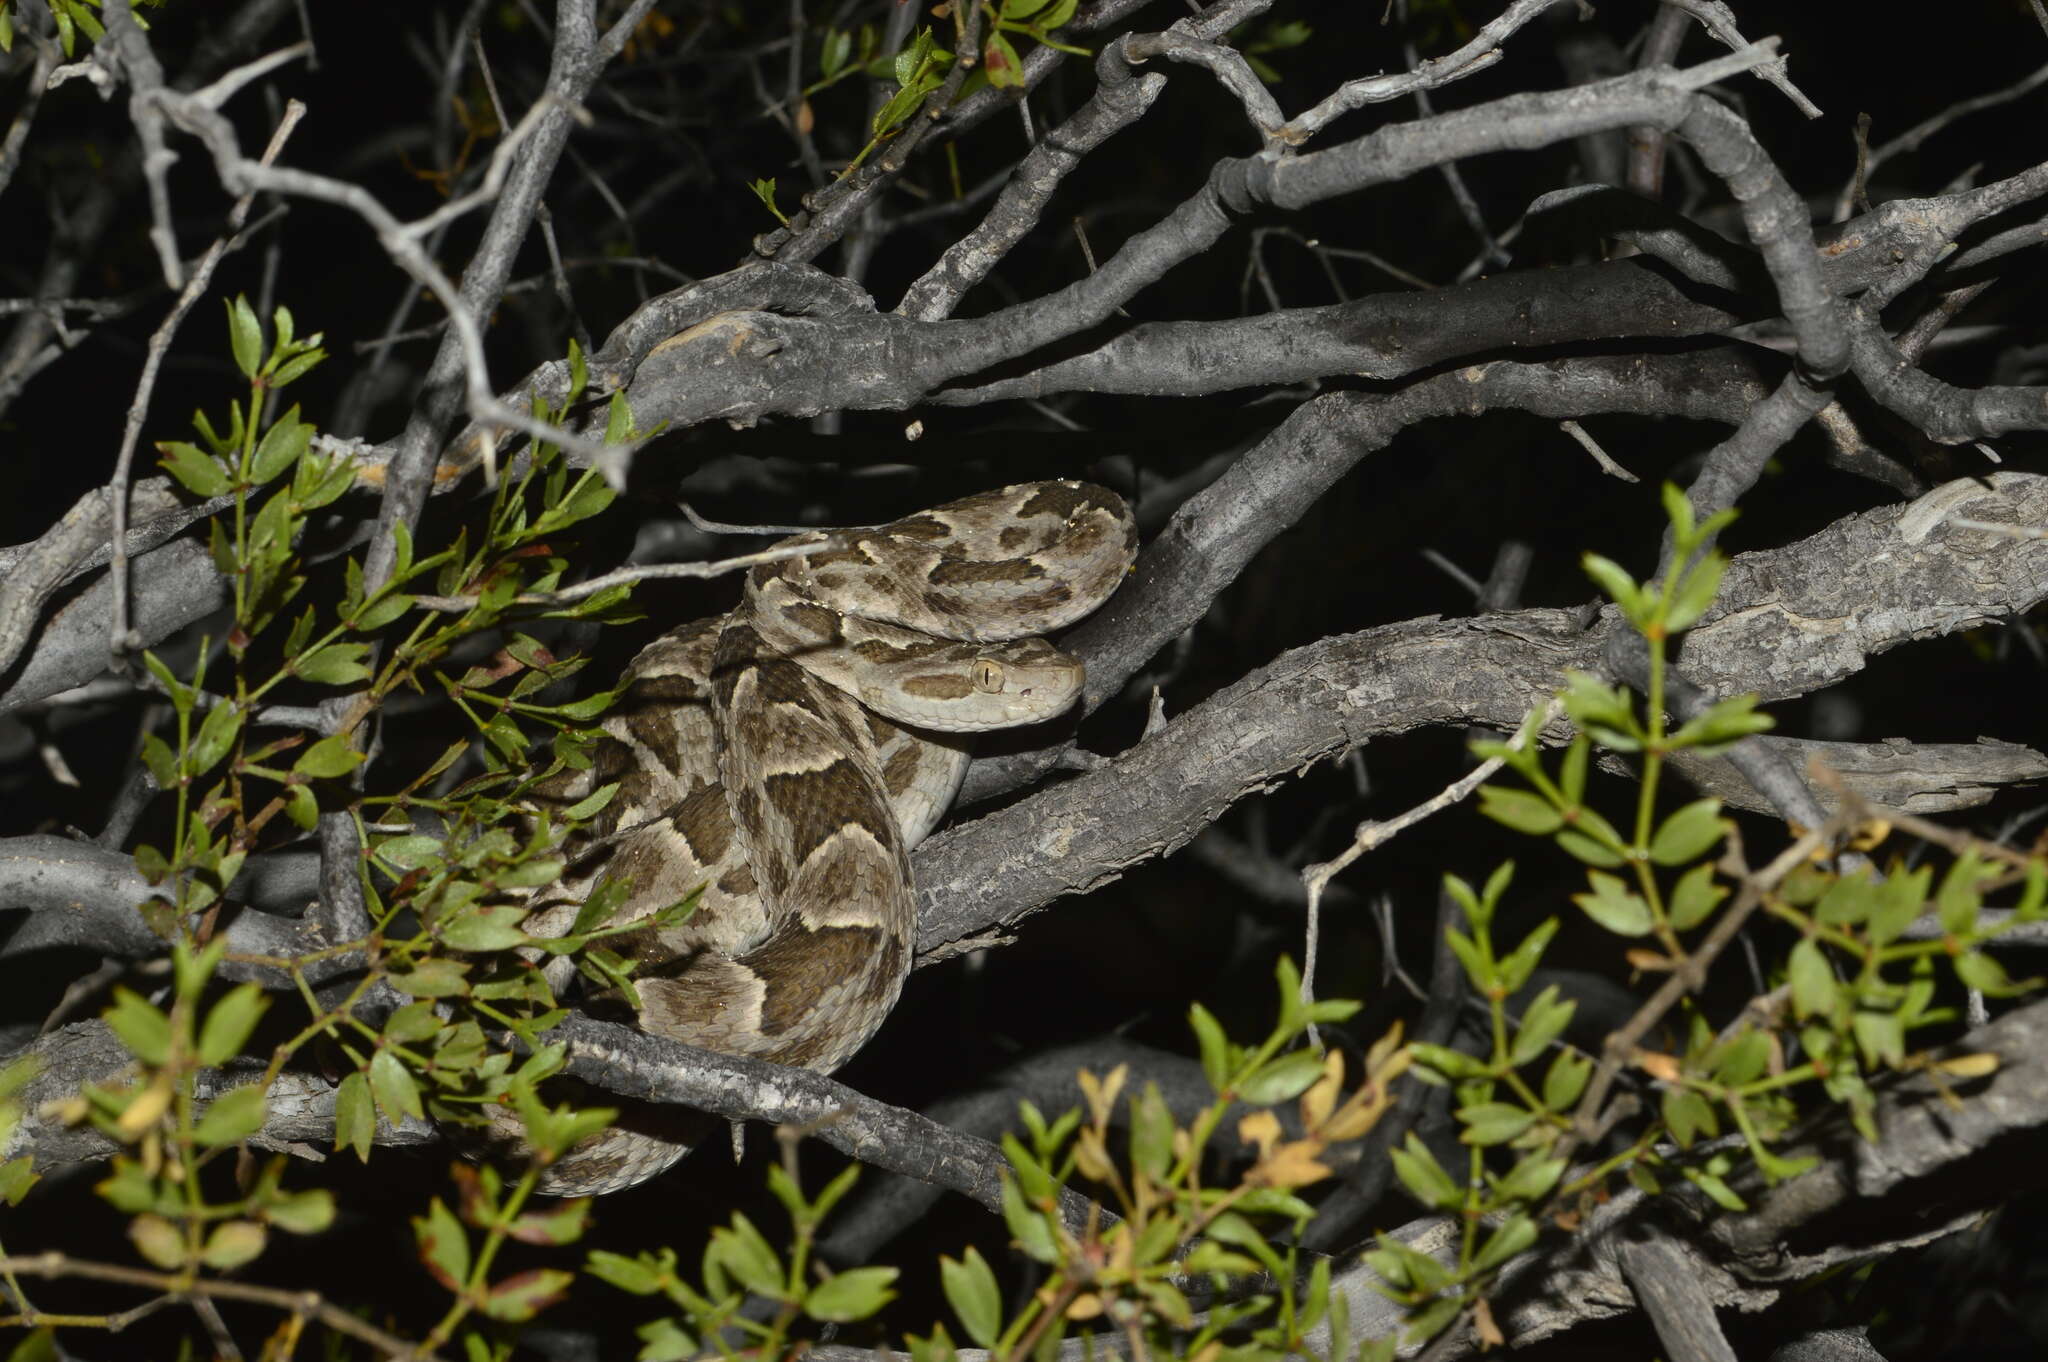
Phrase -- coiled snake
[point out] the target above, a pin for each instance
(788, 755)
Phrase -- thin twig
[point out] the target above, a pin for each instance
(1372, 835)
(1600, 456)
(649, 572)
(180, 1288)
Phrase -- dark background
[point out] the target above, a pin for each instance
(678, 132)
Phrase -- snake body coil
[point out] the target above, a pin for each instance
(787, 756)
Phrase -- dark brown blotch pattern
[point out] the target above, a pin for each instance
(817, 805)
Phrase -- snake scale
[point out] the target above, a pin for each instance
(788, 755)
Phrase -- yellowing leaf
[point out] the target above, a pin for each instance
(1662, 1067)
(1261, 1128)
(1979, 1065)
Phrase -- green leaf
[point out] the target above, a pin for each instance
(180, 693)
(161, 761)
(217, 733)
(1566, 1079)
(245, 336)
(1151, 1133)
(301, 807)
(1520, 810)
(487, 929)
(742, 1251)
(374, 617)
(1231, 1228)
(971, 1290)
(336, 664)
(525, 1294)
(307, 1212)
(1677, 510)
(296, 368)
(1467, 901)
(900, 106)
(1614, 906)
(1881, 1036)
(411, 852)
(833, 51)
(1613, 579)
(764, 190)
(1424, 1177)
(191, 969)
(834, 1190)
(1813, 982)
(1688, 1115)
(1521, 962)
(432, 978)
(330, 757)
(592, 804)
(1776, 1169)
(1282, 1079)
(591, 494)
(2035, 895)
(1688, 834)
(617, 429)
(643, 1276)
(1743, 1059)
(1899, 900)
(1403, 1266)
(1517, 1233)
(1694, 897)
(912, 55)
(397, 1094)
(1979, 971)
(158, 1240)
(281, 447)
(355, 1118)
(317, 481)
(228, 1025)
(1727, 723)
(1543, 1021)
(1582, 848)
(1273, 1201)
(1696, 592)
(1454, 1065)
(1848, 900)
(444, 1246)
(144, 1029)
(851, 1295)
(1958, 899)
(1722, 1194)
(1027, 1226)
(235, 1115)
(1532, 1178)
(1493, 1122)
(999, 58)
(232, 1244)
(1602, 711)
(664, 1340)
(17, 1178)
(1571, 772)
(196, 471)
(1496, 885)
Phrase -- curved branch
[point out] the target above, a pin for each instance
(1789, 621)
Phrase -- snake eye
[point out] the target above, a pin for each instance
(988, 676)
